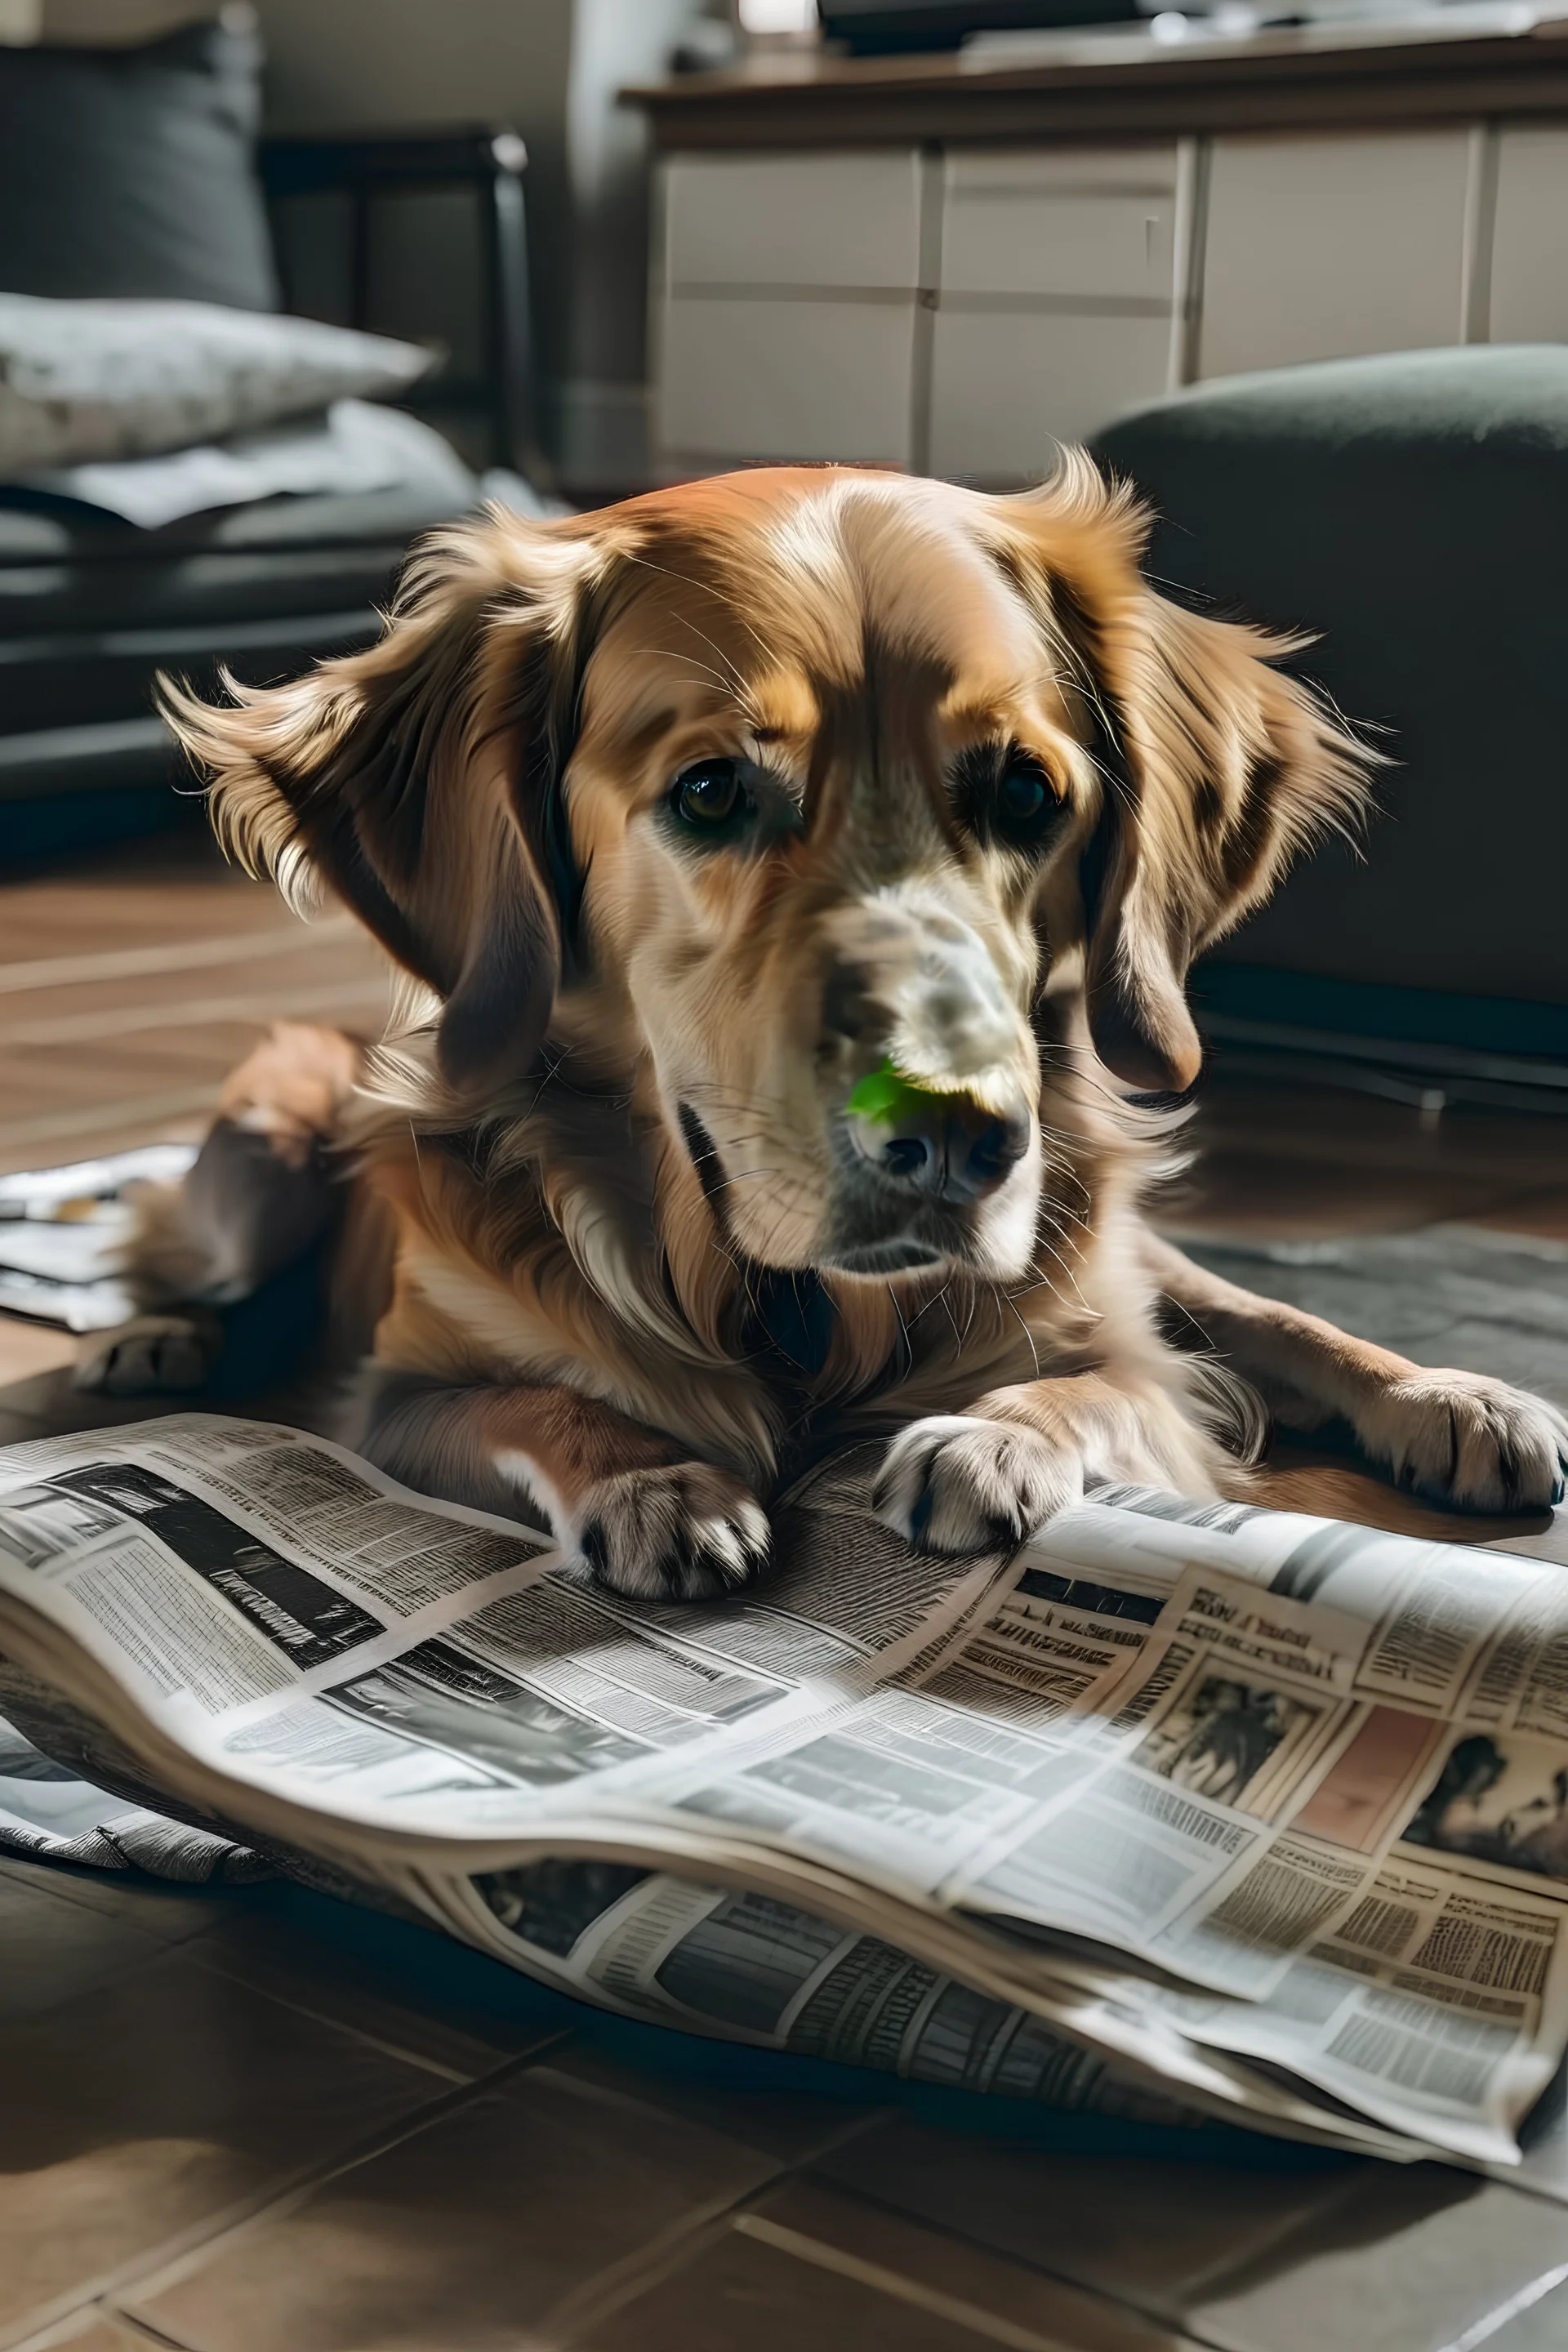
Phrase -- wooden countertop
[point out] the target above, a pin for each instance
(1479, 61)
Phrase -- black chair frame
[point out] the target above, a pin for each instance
(490, 163)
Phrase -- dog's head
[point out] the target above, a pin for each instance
(827, 806)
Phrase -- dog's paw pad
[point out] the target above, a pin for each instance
(684, 1531)
(1473, 1442)
(154, 1355)
(956, 1484)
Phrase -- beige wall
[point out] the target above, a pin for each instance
(550, 68)
(349, 65)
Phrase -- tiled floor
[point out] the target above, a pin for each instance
(255, 2121)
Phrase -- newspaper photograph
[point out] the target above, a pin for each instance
(1268, 1812)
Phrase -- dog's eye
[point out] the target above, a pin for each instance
(1022, 803)
(1021, 797)
(1006, 795)
(710, 797)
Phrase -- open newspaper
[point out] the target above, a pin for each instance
(1263, 1813)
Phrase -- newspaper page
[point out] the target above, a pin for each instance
(756, 1970)
(1438, 2001)
(294, 1619)
(1127, 1743)
(48, 1813)
(1228, 1719)
(1194, 1736)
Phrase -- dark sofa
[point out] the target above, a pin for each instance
(136, 172)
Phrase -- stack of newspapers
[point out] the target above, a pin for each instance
(63, 1233)
(1260, 1813)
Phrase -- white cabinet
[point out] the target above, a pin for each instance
(786, 299)
(1058, 276)
(1323, 247)
(793, 220)
(1529, 244)
(964, 311)
(1098, 223)
(745, 379)
(1007, 387)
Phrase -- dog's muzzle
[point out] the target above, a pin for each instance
(941, 1147)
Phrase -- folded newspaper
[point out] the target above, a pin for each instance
(1258, 1812)
(63, 1231)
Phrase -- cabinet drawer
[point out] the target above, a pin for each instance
(760, 379)
(1008, 387)
(1323, 247)
(793, 220)
(1529, 249)
(1101, 224)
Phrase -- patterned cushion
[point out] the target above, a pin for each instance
(86, 381)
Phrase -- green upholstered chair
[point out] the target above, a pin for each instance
(1413, 509)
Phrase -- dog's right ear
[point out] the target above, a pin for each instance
(420, 778)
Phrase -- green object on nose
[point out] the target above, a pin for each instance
(884, 1093)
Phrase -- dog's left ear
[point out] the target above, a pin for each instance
(1212, 767)
(420, 779)
(1216, 769)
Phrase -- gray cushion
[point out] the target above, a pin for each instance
(129, 171)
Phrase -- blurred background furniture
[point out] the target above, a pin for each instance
(485, 162)
(954, 263)
(1409, 508)
(131, 173)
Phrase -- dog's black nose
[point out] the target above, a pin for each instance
(944, 1147)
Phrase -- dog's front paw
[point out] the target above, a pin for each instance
(153, 1355)
(1467, 1441)
(681, 1532)
(956, 1482)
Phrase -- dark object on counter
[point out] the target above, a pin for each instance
(883, 27)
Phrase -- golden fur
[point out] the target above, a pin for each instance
(608, 1123)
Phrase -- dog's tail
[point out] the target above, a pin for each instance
(265, 1190)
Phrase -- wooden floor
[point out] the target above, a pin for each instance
(257, 2121)
(128, 989)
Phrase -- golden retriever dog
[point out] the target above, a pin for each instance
(794, 877)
